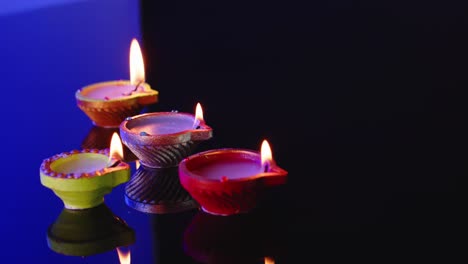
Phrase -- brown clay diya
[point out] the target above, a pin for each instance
(230, 181)
(163, 139)
(81, 178)
(108, 103)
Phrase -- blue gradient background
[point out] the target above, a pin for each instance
(48, 51)
(361, 103)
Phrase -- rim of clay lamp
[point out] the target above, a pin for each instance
(203, 132)
(145, 97)
(208, 156)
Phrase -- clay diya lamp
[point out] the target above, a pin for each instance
(99, 138)
(88, 232)
(230, 181)
(82, 178)
(163, 139)
(158, 191)
(108, 103)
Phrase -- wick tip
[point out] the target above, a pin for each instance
(114, 164)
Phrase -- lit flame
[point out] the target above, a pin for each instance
(124, 257)
(198, 115)
(137, 67)
(116, 149)
(269, 260)
(265, 152)
(137, 164)
(199, 112)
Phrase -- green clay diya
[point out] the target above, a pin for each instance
(81, 178)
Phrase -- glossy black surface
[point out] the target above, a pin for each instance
(358, 102)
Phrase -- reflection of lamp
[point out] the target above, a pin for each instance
(157, 190)
(167, 234)
(99, 138)
(88, 232)
(240, 238)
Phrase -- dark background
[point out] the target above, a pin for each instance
(361, 102)
(357, 99)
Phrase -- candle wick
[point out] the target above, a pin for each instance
(113, 164)
(133, 90)
(267, 167)
(196, 123)
(136, 86)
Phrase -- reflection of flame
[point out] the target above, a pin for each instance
(266, 155)
(116, 148)
(137, 67)
(269, 260)
(198, 115)
(124, 257)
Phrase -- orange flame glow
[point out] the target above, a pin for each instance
(137, 164)
(137, 67)
(266, 155)
(198, 115)
(199, 112)
(116, 148)
(269, 260)
(124, 257)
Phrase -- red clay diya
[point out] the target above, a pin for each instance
(107, 104)
(230, 181)
(163, 139)
(81, 178)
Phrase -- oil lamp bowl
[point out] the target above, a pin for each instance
(163, 139)
(227, 195)
(82, 190)
(110, 113)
